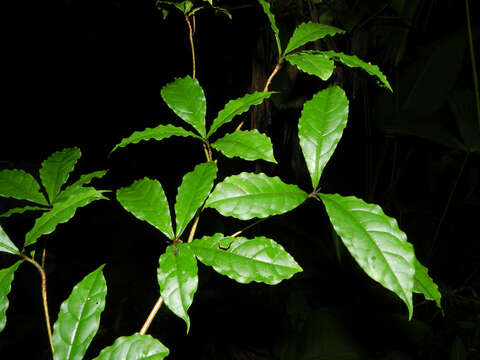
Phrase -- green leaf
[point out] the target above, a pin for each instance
(134, 347)
(186, 98)
(246, 196)
(146, 200)
(195, 187)
(6, 279)
(6, 245)
(307, 32)
(248, 145)
(320, 128)
(219, 9)
(183, 6)
(19, 184)
(236, 107)
(312, 63)
(22, 210)
(376, 243)
(56, 169)
(158, 133)
(266, 8)
(423, 284)
(61, 212)
(244, 260)
(84, 180)
(79, 317)
(178, 279)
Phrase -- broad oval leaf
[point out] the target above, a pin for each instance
(195, 187)
(266, 8)
(134, 347)
(178, 279)
(6, 245)
(423, 284)
(6, 279)
(79, 317)
(146, 200)
(56, 169)
(244, 260)
(320, 128)
(186, 98)
(248, 145)
(375, 241)
(19, 184)
(310, 31)
(314, 64)
(246, 196)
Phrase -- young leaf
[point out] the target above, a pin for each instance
(312, 63)
(178, 279)
(19, 184)
(84, 180)
(6, 279)
(236, 107)
(424, 284)
(266, 8)
(146, 200)
(186, 98)
(195, 187)
(134, 347)
(79, 317)
(243, 260)
(375, 241)
(6, 245)
(248, 145)
(320, 128)
(56, 169)
(246, 196)
(307, 32)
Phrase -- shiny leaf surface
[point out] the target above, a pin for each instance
(83, 180)
(312, 63)
(22, 210)
(6, 279)
(19, 184)
(311, 31)
(423, 284)
(266, 8)
(7, 245)
(134, 347)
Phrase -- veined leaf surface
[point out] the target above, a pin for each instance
(424, 284)
(310, 31)
(266, 8)
(312, 63)
(19, 184)
(6, 279)
(6, 245)
(134, 347)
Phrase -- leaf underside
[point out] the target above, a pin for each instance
(134, 347)
(7, 245)
(424, 285)
(20, 185)
(6, 279)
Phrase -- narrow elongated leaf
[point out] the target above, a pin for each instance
(320, 128)
(79, 317)
(22, 210)
(84, 180)
(424, 284)
(134, 347)
(146, 200)
(236, 107)
(266, 8)
(313, 63)
(195, 187)
(61, 212)
(178, 279)
(248, 145)
(246, 196)
(376, 243)
(56, 169)
(19, 184)
(186, 98)
(6, 279)
(158, 133)
(310, 31)
(7, 245)
(243, 260)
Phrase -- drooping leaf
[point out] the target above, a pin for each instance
(376, 243)
(19, 184)
(195, 187)
(312, 63)
(266, 8)
(84, 180)
(244, 260)
(248, 145)
(320, 128)
(178, 279)
(236, 107)
(246, 196)
(310, 31)
(219, 9)
(186, 98)
(146, 200)
(61, 212)
(79, 317)
(56, 169)
(134, 347)
(6, 279)
(22, 210)
(7, 245)
(423, 284)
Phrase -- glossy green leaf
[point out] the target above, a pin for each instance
(376, 243)
(19, 184)
(56, 169)
(61, 212)
(83, 180)
(266, 8)
(320, 128)
(7, 245)
(312, 63)
(134, 347)
(310, 31)
(236, 107)
(186, 98)
(195, 187)
(6, 279)
(158, 133)
(79, 317)
(246, 196)
(183, 6)
(22, 210)
(178, 279)
(244, 260)
(248, 145)
(146, 200)
(423, 284)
